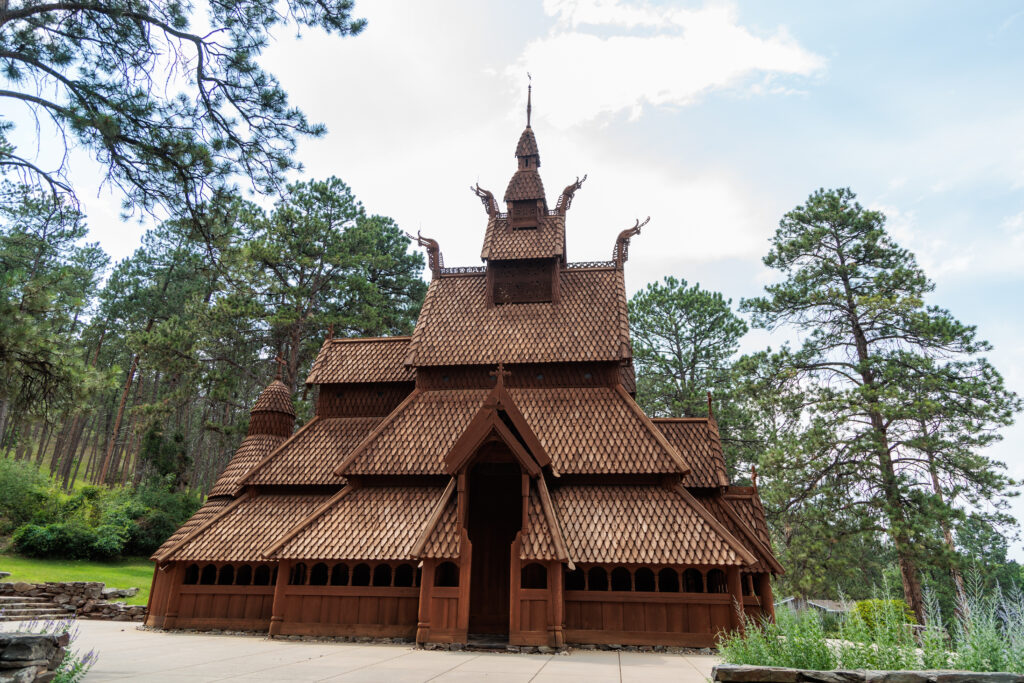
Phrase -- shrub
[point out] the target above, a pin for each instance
(875, 610)
(72, 540)
(23, 490)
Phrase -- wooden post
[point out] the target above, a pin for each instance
(465, 581)
(174, 594)
(426, 584)
(556, 585)
(735, 584)
(514, 584)
(156, 606)
(764, 591)
(280, 597)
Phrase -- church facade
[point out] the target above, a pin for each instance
(491, 474)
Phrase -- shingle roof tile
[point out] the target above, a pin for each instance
(242, 533)
(503, 243)
(276, 398)
(697, 440)
(313, 452)
(372, 523)
(456, 327)
(253, 449)
(380, 359)
(640, 525)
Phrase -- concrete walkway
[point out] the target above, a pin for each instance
(129, 654)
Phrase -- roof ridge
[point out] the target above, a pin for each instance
(718, 527)
(341, 340)
(670, 420)
(658, 435)
(291, 533)
(270, 456)
(362, 445)
(435, 517)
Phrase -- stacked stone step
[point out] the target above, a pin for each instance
(27, 608)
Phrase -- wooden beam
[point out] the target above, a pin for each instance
(653, 429)
(556, 530)
(433, 519)
(741, 550)
(365, 443)
(269, 551)
(165, 555)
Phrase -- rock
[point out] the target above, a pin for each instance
(4, 575)
(22, 587)
(25, 675)
(545, 650)
(736, 673)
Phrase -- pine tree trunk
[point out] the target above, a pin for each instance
(43, 442)
(81, 456)
(120, 415)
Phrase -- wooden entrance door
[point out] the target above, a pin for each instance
(495, 516)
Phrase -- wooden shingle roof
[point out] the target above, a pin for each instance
(698, 441)
(527, 145)
(594, 430)
(588, 323)
(252, 450)
(311, 454)
(416, 436)
(444, 541)
(525, 184)
(204, 514)
(643, 525)
(240, 530)
(378, 359)
(371, 523)
(747, 504)
(501, 242)
(726, 511)
(276, 398)
(538, 541)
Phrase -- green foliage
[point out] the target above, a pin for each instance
(169, 97)
(875, 612)
(23, 489)
(99, 523)
(897, 402)
(988, 635)
(684, 342)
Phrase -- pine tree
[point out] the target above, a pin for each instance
(876, 359)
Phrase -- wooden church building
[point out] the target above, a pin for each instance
(491, 474)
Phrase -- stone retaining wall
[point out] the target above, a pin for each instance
(734, 673)
(84, 599)
(26, 657)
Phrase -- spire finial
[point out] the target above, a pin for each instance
(280, 365)
(529, 98)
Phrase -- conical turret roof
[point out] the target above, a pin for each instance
(276, 398)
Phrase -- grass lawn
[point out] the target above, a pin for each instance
(127, 573)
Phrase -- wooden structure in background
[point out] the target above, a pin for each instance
(491, 474)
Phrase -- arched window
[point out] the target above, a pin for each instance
(382, 575)
(621, 580)
(597, 579)
(243, 577)
(575, 580)
(693, 581)
(446, 574)
(209, 576)
(361, 575)
(339, 575)
(717, 582)
(191, 575)
(668, 580)
(298, 575)
(644, 579)
(318, 575)
(748, 584)
(534, 575)
(261, 577)
(404, 575)
(226, 577)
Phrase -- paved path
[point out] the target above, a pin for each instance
(129, 654)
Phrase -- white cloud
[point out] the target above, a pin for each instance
(609, 57)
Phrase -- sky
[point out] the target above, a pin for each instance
(713, 118)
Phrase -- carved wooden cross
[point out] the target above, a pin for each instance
(753, 475)
(500, 374)
(280, 365)
(330, 331)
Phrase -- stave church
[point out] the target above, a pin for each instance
(490, 476)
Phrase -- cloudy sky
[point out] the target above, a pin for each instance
(712, 118)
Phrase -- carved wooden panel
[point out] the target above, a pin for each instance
(521, 282)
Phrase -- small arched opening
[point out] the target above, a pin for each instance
(382, 575)
(318, 574)
(226, 576)
(209, 575)
(717, 582)
(668, 580)
(597, 579)
(644, 580)
(261, 577)
(446, 575)
(621, 579)
(534, 576)
(243, 577)
(361, 575)
(298, 575)
(339, 574)
(191, 575)
(404, 576)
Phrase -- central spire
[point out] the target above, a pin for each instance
(529, 96)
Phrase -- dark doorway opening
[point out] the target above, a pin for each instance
(495, 516)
